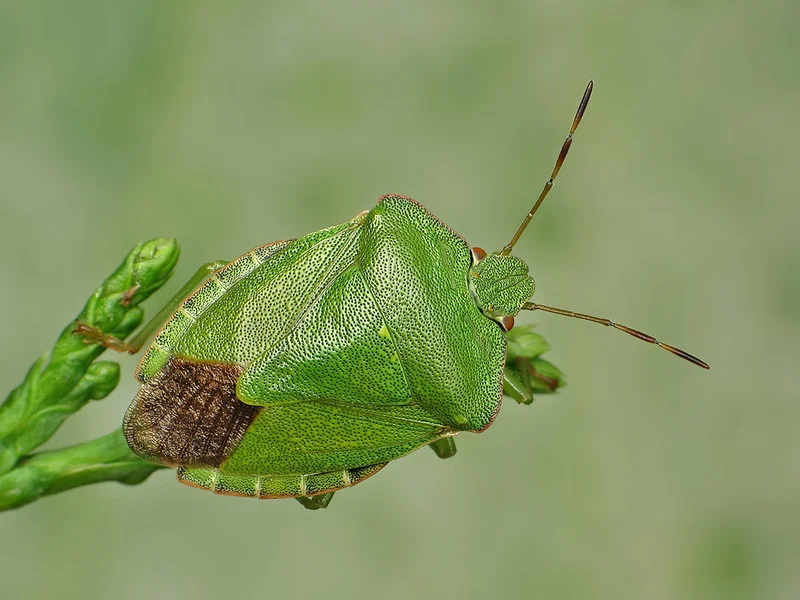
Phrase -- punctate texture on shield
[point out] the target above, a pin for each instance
(346, 348)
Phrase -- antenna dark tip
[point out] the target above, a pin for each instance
(582, 107)
(685, 355)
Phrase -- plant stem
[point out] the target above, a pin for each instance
(62, 382)
(107, 458)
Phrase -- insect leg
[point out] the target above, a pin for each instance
(513, 386)
(316, 502)
(92, 334)
(444, 447)
(525, 377)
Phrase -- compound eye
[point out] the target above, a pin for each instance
(478, 254)
(507, 323)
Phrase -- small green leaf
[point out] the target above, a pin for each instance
(58, 384)
(523, 341)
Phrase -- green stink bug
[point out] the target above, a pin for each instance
(305, 366)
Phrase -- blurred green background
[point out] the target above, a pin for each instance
(229, 125)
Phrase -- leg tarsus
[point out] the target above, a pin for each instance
(127, 297)
(444, 447)
(94, 335)
(316, 502)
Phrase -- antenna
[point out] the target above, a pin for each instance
(629, 330)
(559, 161)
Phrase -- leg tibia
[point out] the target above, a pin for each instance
(92, 334)
(444, 447)
(513, 386)
(146, 332)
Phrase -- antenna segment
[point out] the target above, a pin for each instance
(559, 161)
(645, 337)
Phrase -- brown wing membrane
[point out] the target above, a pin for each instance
(188, 414)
